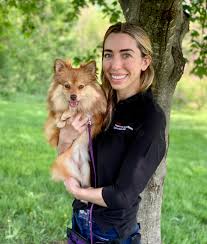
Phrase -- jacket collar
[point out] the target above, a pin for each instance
(138, 96)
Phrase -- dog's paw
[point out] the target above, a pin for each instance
(60, 124)
(66, 115)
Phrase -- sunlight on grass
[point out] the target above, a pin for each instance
(184, 218)
(33, 208)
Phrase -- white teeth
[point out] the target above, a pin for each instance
(118, 77)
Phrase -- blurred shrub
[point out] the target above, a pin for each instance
(26, 59)
(191, 92)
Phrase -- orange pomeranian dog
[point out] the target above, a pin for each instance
(74, 90)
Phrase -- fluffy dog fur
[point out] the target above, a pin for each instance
(74, 90)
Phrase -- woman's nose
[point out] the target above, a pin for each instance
(116, 63)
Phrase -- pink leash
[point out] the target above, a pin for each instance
(94, 171)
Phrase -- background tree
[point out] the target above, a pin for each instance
(167, 24)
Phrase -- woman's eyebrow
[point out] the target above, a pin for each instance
(108, 50)
(122, 50)
(127, 50)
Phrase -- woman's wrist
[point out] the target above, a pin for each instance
(81, 193)
(93, 195)
(77, 193)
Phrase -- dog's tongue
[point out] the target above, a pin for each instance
(73, 103)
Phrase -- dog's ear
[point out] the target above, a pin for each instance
(90, 67)
(59, 65)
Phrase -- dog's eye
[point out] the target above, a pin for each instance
(81, 87)
(67, 86)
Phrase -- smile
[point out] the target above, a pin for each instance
(118, 77)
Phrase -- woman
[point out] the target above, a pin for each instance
(132, 145)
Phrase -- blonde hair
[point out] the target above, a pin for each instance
(144, 45)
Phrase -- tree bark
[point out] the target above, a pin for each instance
(166, 24)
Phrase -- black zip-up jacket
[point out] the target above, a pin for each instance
(126, 156)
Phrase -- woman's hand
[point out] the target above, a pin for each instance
(72, 130)
(90, 194)
(72, 186)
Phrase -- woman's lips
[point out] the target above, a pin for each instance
(118, 78)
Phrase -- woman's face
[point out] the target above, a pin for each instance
(123, 63)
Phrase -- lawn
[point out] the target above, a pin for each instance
(34, 209)
(184, 212)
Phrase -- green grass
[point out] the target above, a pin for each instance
(184, 215)
(34, 209)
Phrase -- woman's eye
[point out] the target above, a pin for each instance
(107, 55)
(67, 86)
(126, 55)
(81, 87)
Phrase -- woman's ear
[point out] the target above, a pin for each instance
(146, 61)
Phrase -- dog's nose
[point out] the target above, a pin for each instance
(73, 97)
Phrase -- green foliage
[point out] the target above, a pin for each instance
(34, 33)
(28, 9)
(196, 9)
(27, 59)
(111, 9)
(34, 209)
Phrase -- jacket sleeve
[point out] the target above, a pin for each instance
(139, 164)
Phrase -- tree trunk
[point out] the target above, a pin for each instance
(166, 24)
